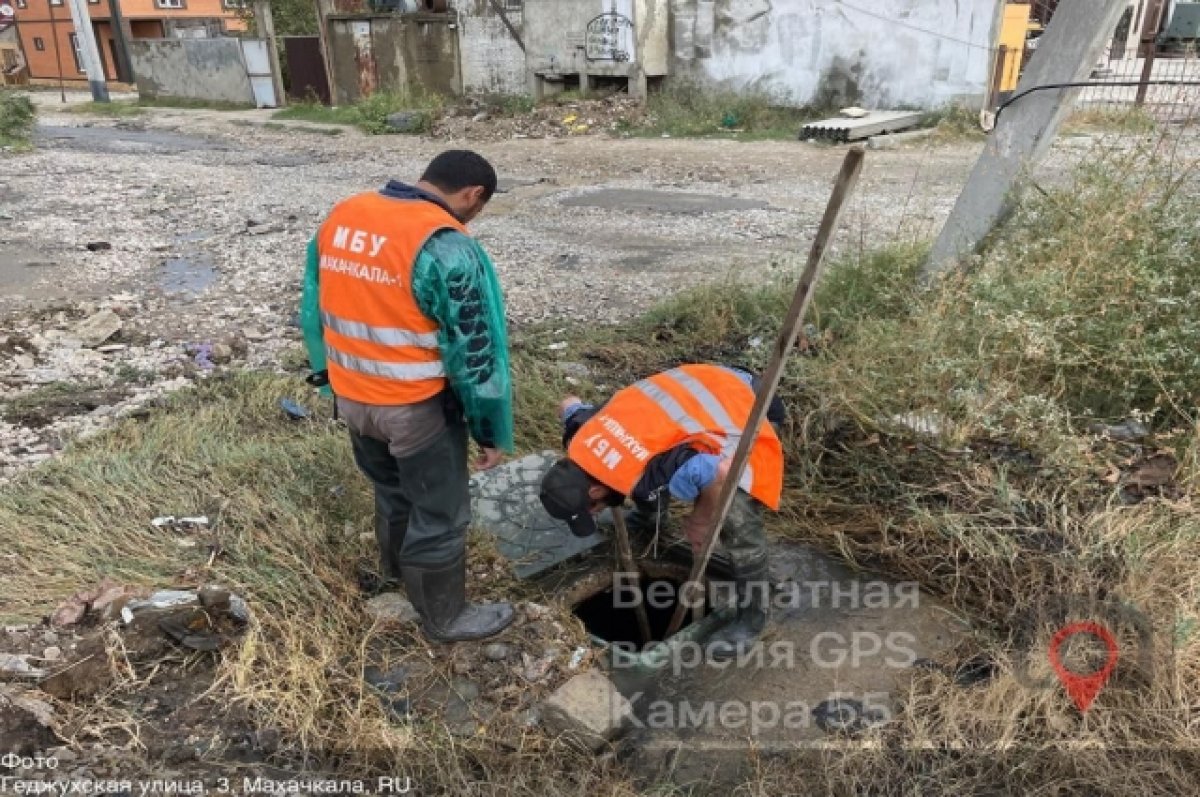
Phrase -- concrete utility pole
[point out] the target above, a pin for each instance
(89, 52)
(122, 33)
(1066, 53)
(265, 22)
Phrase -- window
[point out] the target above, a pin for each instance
(171, 3)
(94, 2)
(77, 52)
(39, 44)
(56, 2)
(234, 3)
(22, 3)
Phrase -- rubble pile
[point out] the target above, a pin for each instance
(475, 121)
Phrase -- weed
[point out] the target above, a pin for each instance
(186, 103)
(1130, 121)
(117, 109)
(684, 109)
(954, 123)
(371, 113)
(17, 117)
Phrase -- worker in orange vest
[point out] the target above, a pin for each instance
(673, 435)
(403, 311)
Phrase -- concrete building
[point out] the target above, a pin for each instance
(12, 62)
(50, 45)
(920, 53)
(903, 53)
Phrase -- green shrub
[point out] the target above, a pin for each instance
(17, 116)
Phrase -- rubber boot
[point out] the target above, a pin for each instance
(439, 594)
(753, 609)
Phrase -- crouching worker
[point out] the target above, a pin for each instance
(673, 435)
(403, 310)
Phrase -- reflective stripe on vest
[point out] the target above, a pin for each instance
(697, 406)
(405, 372)
(386, 336)
(718, 413)
(381, 347)
(707, 400)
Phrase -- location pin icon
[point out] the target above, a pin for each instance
(1083, 688)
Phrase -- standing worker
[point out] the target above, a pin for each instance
(674, 435)
(403, 311)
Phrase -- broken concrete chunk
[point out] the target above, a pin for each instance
(165, 599)
(96, 329)
(587, 710)
(391, 609)
(406, 121)
(25, 722)
(18, 665)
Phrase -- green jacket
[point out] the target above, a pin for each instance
(455, 284)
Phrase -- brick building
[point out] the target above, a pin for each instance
(50, 44)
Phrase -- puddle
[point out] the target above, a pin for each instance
(187, 275)
(193, 237)
(121, 140)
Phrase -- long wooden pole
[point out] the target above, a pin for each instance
(625, 562)
(842, 188)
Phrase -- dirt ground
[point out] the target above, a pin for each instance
(198, 222)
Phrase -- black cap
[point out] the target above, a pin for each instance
(565, 496)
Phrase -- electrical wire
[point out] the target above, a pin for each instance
(926, 31)
(1089, 84)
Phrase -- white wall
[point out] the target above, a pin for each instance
(920, 53)
(492, 61)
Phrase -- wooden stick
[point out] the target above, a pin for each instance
(625, 562)
(842, 188)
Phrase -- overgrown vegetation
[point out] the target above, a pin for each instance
(1129, 120)
(955, 123)
(688, 110)
(182, 102)
(1000, 499)
(119, 108)
(370, 114)
(17, 117)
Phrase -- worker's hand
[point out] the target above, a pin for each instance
(489, 458)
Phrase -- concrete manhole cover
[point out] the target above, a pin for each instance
(504, 502)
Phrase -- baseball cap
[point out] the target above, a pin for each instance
(564, 494)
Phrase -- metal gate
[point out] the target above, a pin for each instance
(306, 69)
(258, 69)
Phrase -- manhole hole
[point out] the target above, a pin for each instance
(610, 615)
(606, 608)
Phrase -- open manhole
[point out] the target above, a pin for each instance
(605, 606)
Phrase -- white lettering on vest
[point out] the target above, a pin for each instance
(377, 242)
(602, 448)
(358, 242)
(362, 271)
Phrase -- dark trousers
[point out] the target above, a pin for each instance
(422, 501)
(743, 535)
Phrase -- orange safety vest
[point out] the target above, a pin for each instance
(381, 349)
(704, 406)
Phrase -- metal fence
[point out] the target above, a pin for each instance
(1151, 63)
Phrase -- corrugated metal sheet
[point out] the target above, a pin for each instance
(840, 128)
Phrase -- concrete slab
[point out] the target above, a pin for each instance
(504, 502)
(836, 658)
(650, 201)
